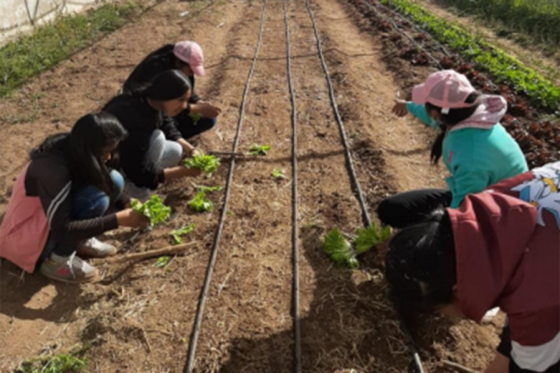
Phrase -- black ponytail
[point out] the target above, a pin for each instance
(166, 86)
(454, 117)
(421, 264)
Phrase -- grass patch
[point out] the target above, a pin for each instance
(504, 68)
(53, 43)
(70, 362)
(538, 18)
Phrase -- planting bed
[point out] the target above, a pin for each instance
(141, 317)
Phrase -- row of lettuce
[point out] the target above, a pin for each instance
(504, 68)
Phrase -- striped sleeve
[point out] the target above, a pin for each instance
(51, 182)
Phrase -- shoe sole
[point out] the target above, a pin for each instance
(73, 281)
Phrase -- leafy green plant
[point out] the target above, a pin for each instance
(200, 203)
(162, 261)
(339, 250)
(178, 233)
(62, 363)
(153, 208)
(278, 174)
(369, 237)
(207, 163)
(207, 189)
(54, 42)
(257, 149)
(196, 117)
(504, 68)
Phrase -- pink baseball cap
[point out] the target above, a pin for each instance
(191, 53)
(446, 89)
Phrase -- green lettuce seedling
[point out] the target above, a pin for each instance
(200, 203)
(257, 149)
(162, 261)
(370, 237)
(339, 250)
(196, 117)
(206, 163)
(153, 208)
(178, 233)
(278, 174)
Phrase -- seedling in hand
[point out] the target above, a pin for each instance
(196, 117)
(206, 163)
(153, 208)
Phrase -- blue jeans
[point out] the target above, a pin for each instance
(87, 203)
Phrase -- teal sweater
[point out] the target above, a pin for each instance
(476, 158)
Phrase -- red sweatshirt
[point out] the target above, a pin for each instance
(507, 242)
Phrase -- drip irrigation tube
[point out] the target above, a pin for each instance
(356, 185)
(367, 221)
(295, 251)
(189, 364)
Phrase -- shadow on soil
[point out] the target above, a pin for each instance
(31, 297)
(348, 324)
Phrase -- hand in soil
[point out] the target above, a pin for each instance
(132, 219)
(400, 108)
(192, 172)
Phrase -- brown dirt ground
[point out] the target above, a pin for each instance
(140, 318)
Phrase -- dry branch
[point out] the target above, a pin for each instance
(458, 367)
(151, 254)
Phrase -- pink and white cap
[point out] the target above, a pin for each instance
(446, 89)
(191, 53)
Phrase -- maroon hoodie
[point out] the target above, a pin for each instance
(507, 242)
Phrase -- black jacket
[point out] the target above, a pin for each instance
(140, 120)
(155, 63)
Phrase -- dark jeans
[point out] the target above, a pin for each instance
(185, 124)
(404, 209)
(87, 203)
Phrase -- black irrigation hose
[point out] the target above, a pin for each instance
(295, 251)
(367, 221)
(189, 364)
(356, 184)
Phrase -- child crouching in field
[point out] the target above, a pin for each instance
(501, 248)
(186, 56)
(60, 200)
(475, 147)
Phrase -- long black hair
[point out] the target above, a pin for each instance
(454, 117)
(159, 60)
(420, 265)
(166, 86)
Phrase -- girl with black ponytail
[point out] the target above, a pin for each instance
(151, 153)
(60, 202)
(475, 147)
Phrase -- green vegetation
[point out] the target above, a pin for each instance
(200, 203)
(70, 362)
(53, 43)
(153, 209)
(206, 163)
(163, 261)
(538, 18)
(370, 237)
(278, 174)
(340, 250)
(196, 117)
(207, 189)
(257, 149)
(179, 233)
(504, 68)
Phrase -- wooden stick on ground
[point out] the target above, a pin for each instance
(151, 254)
(458, 367)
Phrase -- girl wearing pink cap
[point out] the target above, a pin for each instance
(187, 57)
(475, 147)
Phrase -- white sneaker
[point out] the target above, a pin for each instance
(68, 269)
(93, 248)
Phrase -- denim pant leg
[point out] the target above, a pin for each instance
(87, 203)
